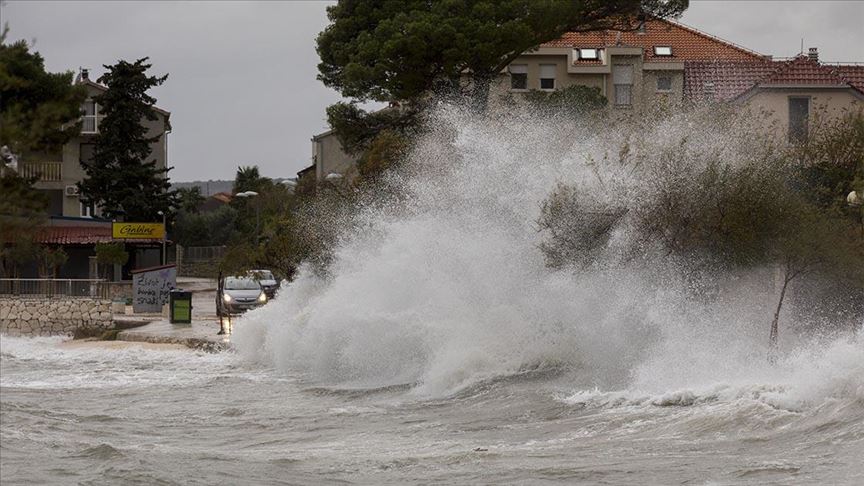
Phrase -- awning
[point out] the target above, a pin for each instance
(81, 235)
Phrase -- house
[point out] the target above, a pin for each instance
(58, 171)
(77, 227)
(632, 69)
(793, 92)
(328, 157)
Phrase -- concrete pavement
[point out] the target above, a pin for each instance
(156, 328)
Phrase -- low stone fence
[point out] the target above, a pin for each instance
(43, 316)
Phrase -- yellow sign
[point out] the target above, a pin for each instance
(129, 231)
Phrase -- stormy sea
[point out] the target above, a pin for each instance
(439, 347)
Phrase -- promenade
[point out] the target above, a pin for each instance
(202, 333)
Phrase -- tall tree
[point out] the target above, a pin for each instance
(39, 110)
(248, 178)
(121, 178)
(189, 199)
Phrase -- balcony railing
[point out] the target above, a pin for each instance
(52, 287)
(43, 171)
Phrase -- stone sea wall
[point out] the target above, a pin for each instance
(55, 316)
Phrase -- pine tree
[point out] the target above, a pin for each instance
(120, 178)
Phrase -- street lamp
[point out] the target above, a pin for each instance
(164, 237)
(257, 213)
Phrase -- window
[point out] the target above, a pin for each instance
(518, 76)
(662, 50)
(547, 76)
(622, 79)
(664, 84)
(588, 54)
(87, 210)
(88, 124)
(799, 113)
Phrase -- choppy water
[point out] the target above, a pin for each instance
(441, 349)
(98, 416)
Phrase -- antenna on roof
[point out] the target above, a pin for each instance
(802, 47)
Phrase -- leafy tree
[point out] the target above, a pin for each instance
(710, 210)
(22, 212)
(120, 179)
(40, 110)
(189, 199)
(50, 259)
(248, 178)
(833, 158)
(384, 153)
(109, 254)
(401, 50)
(211, 228)
(357, 128)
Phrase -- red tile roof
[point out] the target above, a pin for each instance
(853, 74)
(724, 80)
(223, 197)
(805, 71)
(688, 44)
(80, 235)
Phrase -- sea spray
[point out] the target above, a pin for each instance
(449, 287)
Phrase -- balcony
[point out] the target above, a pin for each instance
(42, 171)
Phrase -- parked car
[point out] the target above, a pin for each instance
(267, 280)
(239, 294)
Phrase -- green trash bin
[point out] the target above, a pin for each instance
(180, 307)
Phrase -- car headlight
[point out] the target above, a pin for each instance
(262, 297)
(226, 298)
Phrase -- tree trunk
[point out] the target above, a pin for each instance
(772, 338)
(480, 92)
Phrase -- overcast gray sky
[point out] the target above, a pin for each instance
(242, 87)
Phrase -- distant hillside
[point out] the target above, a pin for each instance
(208, 188)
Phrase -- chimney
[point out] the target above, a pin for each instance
(85, 74)
(813, 54)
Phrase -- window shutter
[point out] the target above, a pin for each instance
(547, 71)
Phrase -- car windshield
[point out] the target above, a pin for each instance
(241, 283)
(262, 274)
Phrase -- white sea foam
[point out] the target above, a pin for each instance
(450, 288)
(44, 363)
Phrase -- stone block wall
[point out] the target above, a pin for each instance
(29, 316)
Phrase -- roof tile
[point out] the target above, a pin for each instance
(688, 44)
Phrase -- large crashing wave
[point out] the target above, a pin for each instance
(450, 288)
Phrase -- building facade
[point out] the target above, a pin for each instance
(72, 225)
(794, 93)
(632, 69)
(58, 172)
